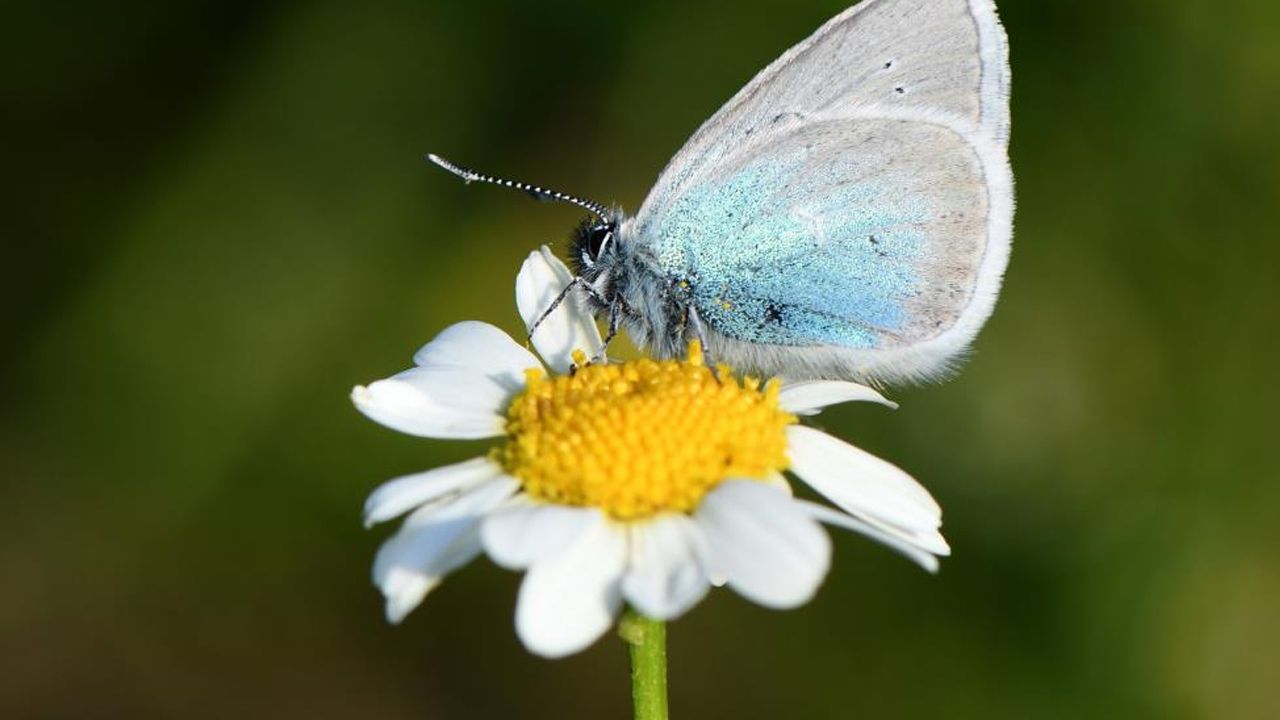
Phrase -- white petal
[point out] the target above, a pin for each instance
(665, 576)
(482, 348)
(434, 541)
(436, 402)
(476, 503)
(405, 588)
(402, 494)
(542, 278)
(928, 540)
(861, 483)
(523, 533)
(571, 598)
(772, 552)
(463, 389)
(921, 557)
(810, 396)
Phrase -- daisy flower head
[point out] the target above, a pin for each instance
(642, 482)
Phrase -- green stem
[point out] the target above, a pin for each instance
(648, 641)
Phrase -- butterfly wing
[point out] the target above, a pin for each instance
(849, 212)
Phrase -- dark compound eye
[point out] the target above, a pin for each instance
(597, 238)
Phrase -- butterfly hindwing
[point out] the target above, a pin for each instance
(850, 210)
(774, 245)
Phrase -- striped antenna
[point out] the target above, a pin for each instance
(468, 175)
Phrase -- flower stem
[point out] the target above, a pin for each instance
(648, 641)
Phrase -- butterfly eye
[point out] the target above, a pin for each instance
(598, 239)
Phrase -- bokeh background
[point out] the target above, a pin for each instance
(216, 221)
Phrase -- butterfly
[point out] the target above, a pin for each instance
(847, 215)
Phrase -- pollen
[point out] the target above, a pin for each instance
(644, 436)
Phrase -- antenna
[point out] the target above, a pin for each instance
(541, 194)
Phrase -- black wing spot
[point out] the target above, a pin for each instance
(900, 90)
(773, 314)
(888, 64)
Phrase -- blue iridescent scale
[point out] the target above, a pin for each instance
(770, 262)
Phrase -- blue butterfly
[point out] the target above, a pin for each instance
(848, 214)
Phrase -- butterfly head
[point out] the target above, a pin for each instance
(603, 270)
(597, 256)
(593, 243)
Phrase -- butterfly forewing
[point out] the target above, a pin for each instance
(849, 211)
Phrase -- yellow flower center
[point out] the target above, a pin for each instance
(642, 437)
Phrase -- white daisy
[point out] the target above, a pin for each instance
(642, 482)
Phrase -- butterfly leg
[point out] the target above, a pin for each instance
(575, 282)
(700, 334)
(550, 309)
(615, 319)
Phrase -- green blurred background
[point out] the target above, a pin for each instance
(217, 221)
